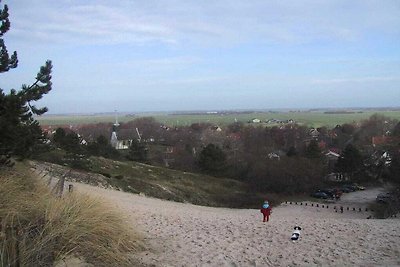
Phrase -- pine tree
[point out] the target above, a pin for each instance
(6, 62)
(350, 161)
(313, 151)
(212, 159)
(137, 152)
(20, 132)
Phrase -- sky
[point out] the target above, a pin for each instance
(181, 55)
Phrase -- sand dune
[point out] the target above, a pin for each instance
(179, 234)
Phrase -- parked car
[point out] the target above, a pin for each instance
(320, 194)
(384, 198)
(345, 189)
(329, 192)
(359, 187)
(348, 188)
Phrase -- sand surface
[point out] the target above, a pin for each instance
(178, 234)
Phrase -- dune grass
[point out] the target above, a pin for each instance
(39, 229)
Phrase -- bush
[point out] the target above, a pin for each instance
(288, 175)
(212, 159)
(50, 229)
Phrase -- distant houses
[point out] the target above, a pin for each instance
(276, 155)
(272, 121)
(331, 158)
(122, 144)
(254, 120)
(314, 133)
(277, 121)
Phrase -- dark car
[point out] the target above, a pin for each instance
(384, 198)
(345, 189)
(348, 188)
(333, 193)
(320, 194)
(352, 187)
(329, 192)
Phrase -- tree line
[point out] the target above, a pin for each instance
(290, 158)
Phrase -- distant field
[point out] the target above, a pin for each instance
(80, 119)
(316, 119)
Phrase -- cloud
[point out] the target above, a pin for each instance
(210, 22)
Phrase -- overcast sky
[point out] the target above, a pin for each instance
(156, 55)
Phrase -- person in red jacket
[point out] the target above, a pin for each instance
(266, 210)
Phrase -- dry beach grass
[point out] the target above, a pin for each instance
(39, 229)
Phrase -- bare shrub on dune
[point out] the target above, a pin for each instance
(38, 229)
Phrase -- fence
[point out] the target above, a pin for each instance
(59, 186)
(336, 208)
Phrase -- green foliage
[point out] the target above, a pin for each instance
(166, 183)
(350, 161)
(20, 132)
(292, 152)
(396, 130)
(71, 143)
(6, 62)
(313, 151)
(212, 159)
(101, 147)
(394, 168)
(5, 161)
(376, 125)
(59, 136)
(137, 152)
(288, 175)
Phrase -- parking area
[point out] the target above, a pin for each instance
(362, 197)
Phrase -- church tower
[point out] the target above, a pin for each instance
(114, 137)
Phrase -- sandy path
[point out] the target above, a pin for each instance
(180, 234)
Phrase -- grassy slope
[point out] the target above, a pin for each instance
(165, 183)
(171, 184)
